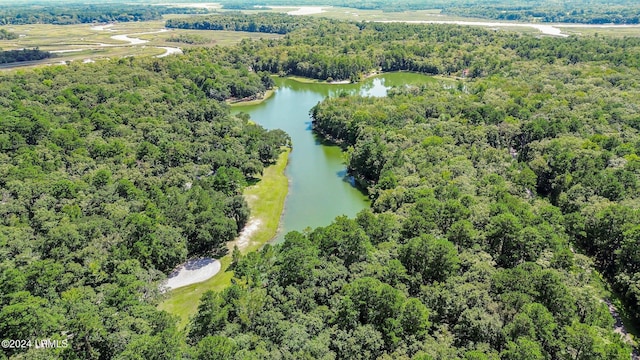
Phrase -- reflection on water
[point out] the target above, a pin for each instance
(319, 188)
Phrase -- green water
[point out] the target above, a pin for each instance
(319, 190)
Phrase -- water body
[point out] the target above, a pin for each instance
(319, 189)
(543, 28)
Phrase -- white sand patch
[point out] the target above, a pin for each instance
(192, 272)
(169, 51)
(193, 5)
(65, 51)
(549, 30)
(307, 10)
(199, 270)
(301, 10)
(101, 27)
(244, 238)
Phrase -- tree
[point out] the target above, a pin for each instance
(343, 239)
(375, 303)
(429, 258)
(297, 259)
(523, 348)
(28, 317)
(505, 239)
(216, 347)
(415, 318)
(212, 316)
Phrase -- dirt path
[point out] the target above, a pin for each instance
(618, 327)
(244, 239)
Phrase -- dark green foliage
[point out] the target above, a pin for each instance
(7, 35)
(429, 259)
(482, 190)
(588, 11)
(342, 239)
(115, 173)
(74, 13)
(12, 56)
(189, 39)
(297, 260)
(263, 23)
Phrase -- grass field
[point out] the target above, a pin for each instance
(88, 43)
(266, 200)
(305, 80)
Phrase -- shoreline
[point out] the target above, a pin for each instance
(371, 74)
(267, 94)
(266, 200)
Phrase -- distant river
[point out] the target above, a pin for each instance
(318, 187)
(547, 29)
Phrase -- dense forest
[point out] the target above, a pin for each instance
(338, 50)
(497, 192)
(487, 191)
(111, 174)
(623, 12)
(261, 23)
(191, 39)
(82, 13)
(11, 56)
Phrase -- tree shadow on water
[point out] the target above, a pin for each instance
(344, 175)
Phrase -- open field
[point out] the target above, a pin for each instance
(605, 31)
(83, 42)
(266, 201)
(223, 38)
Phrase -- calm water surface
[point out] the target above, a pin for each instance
(318, 187)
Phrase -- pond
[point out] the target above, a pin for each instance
(319, 188)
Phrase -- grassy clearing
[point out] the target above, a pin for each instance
(267, 95)
(266, 200)
(603, 31)
(224, 38)
(305, 80)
